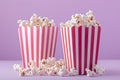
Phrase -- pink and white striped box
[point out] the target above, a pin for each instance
(37, 43)
(80, 47)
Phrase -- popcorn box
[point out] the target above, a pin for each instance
(37, 43)
(80, 47)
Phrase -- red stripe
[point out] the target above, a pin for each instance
(74, 47)
(86, 48)
(26, 37)
(98, 42)
(32, 43)
(21, 45)
(43, 31)
(92, 47)
(48, 32)
(69, 47)
(52, 41)
(40, 32)
(80, 49)
(55, 41)
(64, 47)
(37, 46)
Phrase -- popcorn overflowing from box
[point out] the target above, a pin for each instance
(85, 20)
(38, 37)
(37, 21)
(80, 41)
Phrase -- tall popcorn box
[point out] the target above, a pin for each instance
(80, 47)
(37, 43)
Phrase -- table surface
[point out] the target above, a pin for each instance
(112, 72)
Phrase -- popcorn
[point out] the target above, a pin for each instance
(62, 72)
(73, 72)
(78, 20)
(90, 73)
(55, 72)
(36, 21)
(62, 24)
(27, 71)
(51, 61)
(22, 73)
(43, 63)
(33, 71)
(53, 67)
(40, 71)
(16, 67)
(99, 70)
(49, 71)
(23, 23)
(31, 64)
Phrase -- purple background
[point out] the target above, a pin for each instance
(106, 11)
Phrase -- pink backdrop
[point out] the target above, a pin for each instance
(106, 11)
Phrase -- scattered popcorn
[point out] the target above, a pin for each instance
(36, 21)
(90, 73)
(99, 70)
(63, 72)
(50, 71)
(16, 67)
(52, 67)
(22, 73)
(55, 73)
(78, 20)
(40, 71)
(73, 72)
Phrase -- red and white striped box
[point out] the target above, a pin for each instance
(37, 43)
(80, 47)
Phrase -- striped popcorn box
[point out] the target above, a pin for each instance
(80, 47)
(37, 43)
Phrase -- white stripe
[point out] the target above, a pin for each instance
(49, 41)
(83, 48)
(89, 44)
(29, 43)
(71, 47)
(45, 42)
(68, 46)
(65, 47)
(24, 45)
(40, 43)
(76, 44)
(55, 30)
(95, 44)
(34, 42)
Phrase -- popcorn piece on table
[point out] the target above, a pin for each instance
(99, 70)
(63, 71)
(90, 73)
(43, 63)
(73, 72)
(16, 67)
(22, 73)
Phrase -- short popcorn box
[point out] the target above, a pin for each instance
(80, 47)
(37, 43)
